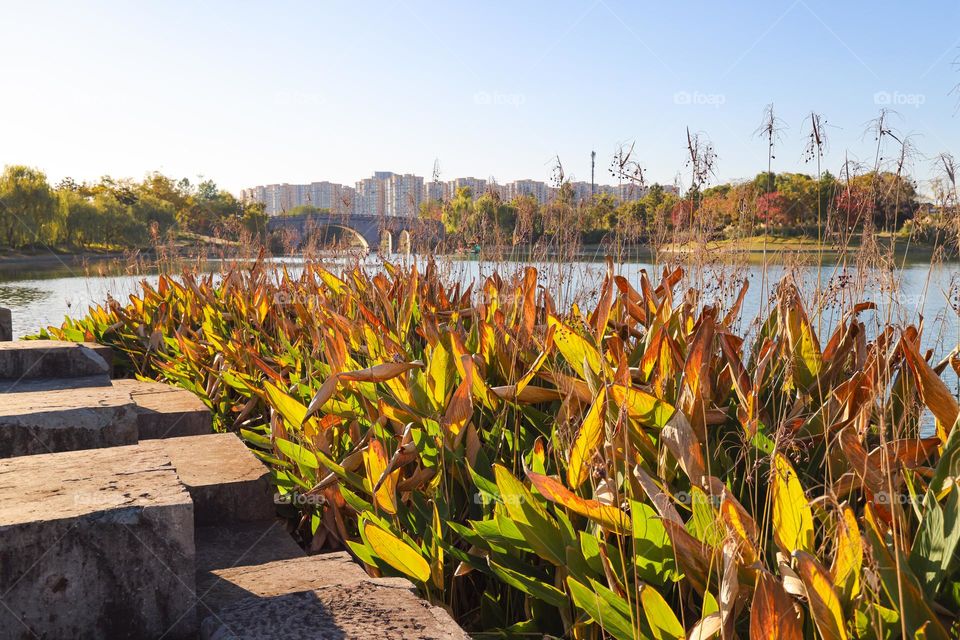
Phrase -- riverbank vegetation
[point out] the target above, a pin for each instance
(116, 214)
(636, 460)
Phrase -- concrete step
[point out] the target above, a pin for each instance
(226, 481)
(322, 596)
(45, 416)
(165, 411)
(22, 359)
(225, 547)
(96, 544)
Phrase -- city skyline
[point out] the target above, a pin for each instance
(394, 194)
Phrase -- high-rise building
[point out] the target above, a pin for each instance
(535, 188)
(435, 191)
(404, 194)
(336, 198)
(371, 197)
(476, 185)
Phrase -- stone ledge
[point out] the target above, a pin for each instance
(95, 544)
(165, 411)
(40, 419)
(226, 481)
(21, 359)
(360, 610)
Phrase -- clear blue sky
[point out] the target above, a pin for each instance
(252, 93)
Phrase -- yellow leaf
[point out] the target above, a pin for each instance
(824, 603)
(849, 558)
(662, 620)
(588, 440)
(575, 348)
(607, 516)
(396, 553)
(792, 515)
(643, 407)
(375, 461)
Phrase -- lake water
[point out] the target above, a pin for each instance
(42, 298)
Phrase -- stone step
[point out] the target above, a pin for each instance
(45, 416)
(96, 544)
(244, 544)
(321, 596)
(22, 359)
(226, 481)
(165, 411)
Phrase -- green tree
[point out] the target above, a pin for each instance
(28, 208)
(458, 212)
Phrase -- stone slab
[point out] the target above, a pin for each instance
(96, 544)
(165, 411)
(6, 325)
(21, 359)
(9, 385)
(224, 548)
(361, 610)
(226, 481)
(38, 419)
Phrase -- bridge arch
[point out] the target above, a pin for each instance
(386, 242)
(322, 231)
(403, 242)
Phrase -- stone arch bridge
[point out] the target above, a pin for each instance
(375, 233)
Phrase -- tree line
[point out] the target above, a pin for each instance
(784, 204)
(116, 213)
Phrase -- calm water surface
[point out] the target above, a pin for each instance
(42, 298)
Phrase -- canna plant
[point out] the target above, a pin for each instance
(638, 470)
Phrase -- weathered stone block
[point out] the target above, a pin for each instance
(165, 411)
(22, 359)
(37, 419)
(6, 325)
(95, 544)
(226, 481)
(359, 610)
(222, 548)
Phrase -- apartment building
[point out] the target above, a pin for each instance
(404, 193)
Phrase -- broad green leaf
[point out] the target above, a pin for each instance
(935, 546)
(298, 453)
(652, 551)
(602, 610)
(530, 585)
(900, 584)
(538, 528)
